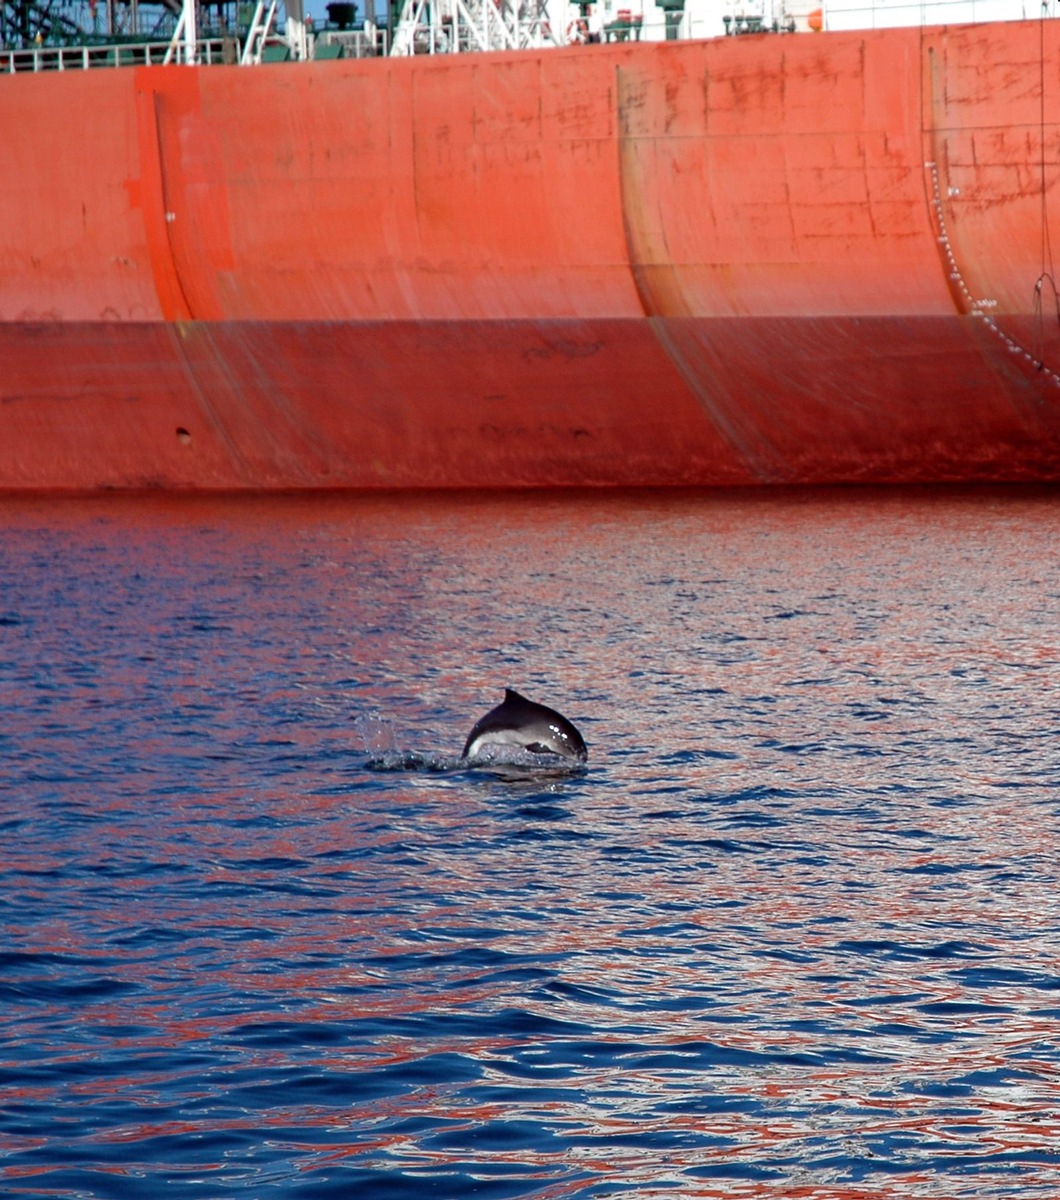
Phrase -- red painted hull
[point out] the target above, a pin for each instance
(756, 260)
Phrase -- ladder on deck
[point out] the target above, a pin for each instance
(261, 26)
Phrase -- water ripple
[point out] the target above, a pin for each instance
(791, 933)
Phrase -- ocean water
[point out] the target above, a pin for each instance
(795, 932)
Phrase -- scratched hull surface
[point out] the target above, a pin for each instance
(803, 259)
(793, 933)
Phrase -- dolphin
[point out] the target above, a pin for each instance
(522, 723)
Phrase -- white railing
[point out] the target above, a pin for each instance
(80, 58)
(354, 43)
(883, 14)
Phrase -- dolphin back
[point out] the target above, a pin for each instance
(522, 722)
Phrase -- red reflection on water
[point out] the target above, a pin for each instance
(871, 747)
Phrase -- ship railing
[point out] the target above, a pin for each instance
(81, 58)
(369, 42)
(884, 14)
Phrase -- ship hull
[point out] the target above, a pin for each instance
(752, 261)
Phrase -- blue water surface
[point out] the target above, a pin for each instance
(794, 933)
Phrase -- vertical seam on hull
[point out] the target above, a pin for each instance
(167, 212)
(764, 466)
(169, 291)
